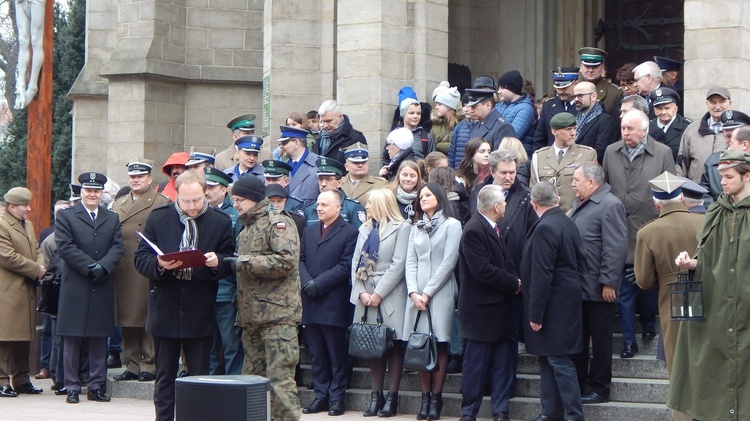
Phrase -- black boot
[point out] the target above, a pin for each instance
(391, 406)
(376, 402)
(114, 360)
(436, 405)
(425, 407)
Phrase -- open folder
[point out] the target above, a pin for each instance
(189, 258)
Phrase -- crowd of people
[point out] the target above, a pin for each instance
(496, 222)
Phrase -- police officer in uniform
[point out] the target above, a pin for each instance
(669, 125)
(358, 183)
(248, 148)
(200, 160)
(277, 172)
(330, 173)
(564, 79)
(592, 70)
(557, 163)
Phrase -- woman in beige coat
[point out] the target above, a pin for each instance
(378, 280)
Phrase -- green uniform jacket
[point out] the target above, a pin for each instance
(711, 364)
(267, 268)
(544, 167)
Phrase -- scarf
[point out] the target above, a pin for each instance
(369, 256)
(189, 237)
(584, 118)
(427, 224)
(633, 152)
(406, 199)
(325, 137)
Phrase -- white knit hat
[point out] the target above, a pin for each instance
(449, 97)
(444, 85)
(405, 104)
(401, 137)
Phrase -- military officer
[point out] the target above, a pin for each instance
(200, 160)
(248, 148)
(731, 121)
(242, 125)
(668, 125)
(330, 173)
(593, 70)
(277, 172)
(302, 183)
(131, 288)
(268, 294)
(358, 183)
(670, 71)
(564, 80)
(557, 163)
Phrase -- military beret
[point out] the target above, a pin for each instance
(18, 196)
(562, 120)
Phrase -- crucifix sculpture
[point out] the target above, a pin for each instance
(30, 22)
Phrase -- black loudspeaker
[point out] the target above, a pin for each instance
(225, 398)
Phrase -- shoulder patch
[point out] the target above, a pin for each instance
(362, 216)
(281, 225)
(688, 120)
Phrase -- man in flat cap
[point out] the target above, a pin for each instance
(303, 183)
(712, 356)
(593, 70)
(732, 122)
(556, 163)
(657, 244)
(21, 264)
(357, 184)
(241, 125)
(268, 294)
(131, 287)
(248, 148)
(628, 165)
(668, 125)
(89, 243)
(490, 124)
(330, 173)
(225, 337)
(564, 80)
(703, 137)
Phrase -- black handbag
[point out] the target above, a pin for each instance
(371, 341)
(50, 294)
(421, 349)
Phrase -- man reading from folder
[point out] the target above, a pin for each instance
(181, 298)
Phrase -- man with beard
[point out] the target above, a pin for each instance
(594, 127)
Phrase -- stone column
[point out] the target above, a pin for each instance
(403, 42)
(716, 52)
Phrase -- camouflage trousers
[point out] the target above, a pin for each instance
(273, 352)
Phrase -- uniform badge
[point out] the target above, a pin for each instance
(92, 177)
(281, 225)
(729, 114)
(658, 92)
(362, 216)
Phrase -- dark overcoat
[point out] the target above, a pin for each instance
(493, 129)
(543, 133)
(552, 286)
(87, 309)
(345, 137)
(487, 284)
(179, 308)
(327, 262)
(598, 134)
(673, 135)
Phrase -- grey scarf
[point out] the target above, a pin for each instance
(189, 237)
(406, 199)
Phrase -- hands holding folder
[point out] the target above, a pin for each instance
(182, 259)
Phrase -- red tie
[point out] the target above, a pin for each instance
(497, 230)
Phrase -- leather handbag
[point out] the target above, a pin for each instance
(371, 341)
(421, 349)
(50, 294)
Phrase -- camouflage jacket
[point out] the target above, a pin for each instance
(268, 289)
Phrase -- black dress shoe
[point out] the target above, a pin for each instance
(28, 388)
(501, 417)
(593, 397)
(337, 408)
(468, 418)
(649, 333)
(317, 405)
(57, 386)
(629, 350)
(61, 391)
(98, 395)
(72, 396)
(145, 376)
(7, 392)
(125, 376)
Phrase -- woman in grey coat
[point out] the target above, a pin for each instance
(378, 280)
(430, 259)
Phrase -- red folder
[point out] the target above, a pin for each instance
(189, 258)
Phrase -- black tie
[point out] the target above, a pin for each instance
(93, 216)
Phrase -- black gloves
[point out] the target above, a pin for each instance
(97, 273)
(310, 289)
(232, 262)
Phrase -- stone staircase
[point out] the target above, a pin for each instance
(639, 388)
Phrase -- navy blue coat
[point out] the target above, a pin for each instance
(598, 134)
(673, 136)
(327, 262)
(180, 308)
(552, 286)
(493, 129)
(543, 134)
(487, 284)
(304, 183)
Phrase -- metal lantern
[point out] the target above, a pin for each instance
(686, 298)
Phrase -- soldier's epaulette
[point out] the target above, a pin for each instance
(379, 178)
(352, 200)
(549, 98)
(164, 196)
(543, 149)
(689, 120)
(584, 146)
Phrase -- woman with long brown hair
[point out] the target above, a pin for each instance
(475, 166)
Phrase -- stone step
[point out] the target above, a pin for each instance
(523, 408)
(527, 385)
(639, 367)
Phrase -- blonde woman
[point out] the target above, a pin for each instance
(378, 280)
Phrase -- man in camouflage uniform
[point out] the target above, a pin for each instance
(268, 296)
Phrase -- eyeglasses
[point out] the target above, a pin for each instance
(580, 96)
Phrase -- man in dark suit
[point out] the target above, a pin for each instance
(594, 127)
(324, 269)
(564, 81)
(552, 303)
(491, 126)
(90, 246)
(484, 308)
(181, 301)
(668, 125)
